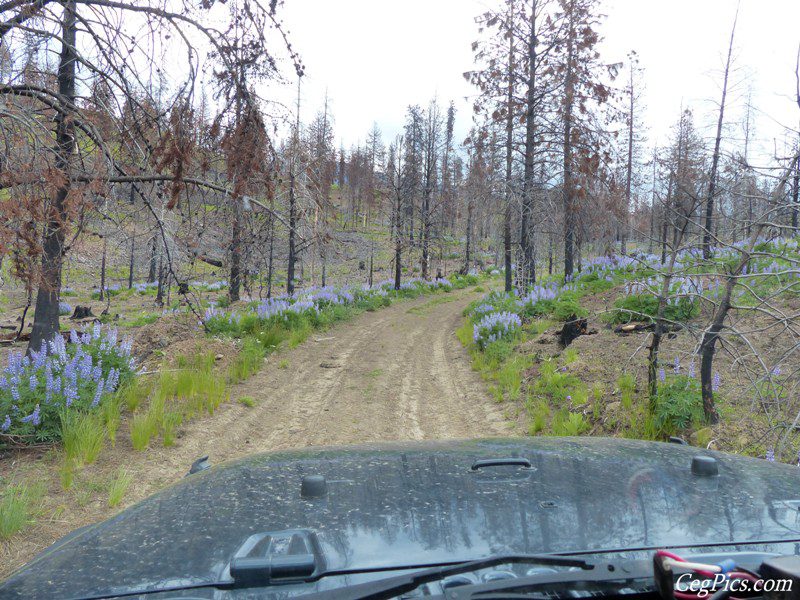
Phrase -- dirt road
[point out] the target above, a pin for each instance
(395, 374)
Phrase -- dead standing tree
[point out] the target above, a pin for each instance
(113, 41)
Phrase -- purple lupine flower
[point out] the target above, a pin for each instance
(776, 371)
(33, 382)
(98, 394)
(15, 393)
(97, 373)
(715, 382)
(112, 380)
(691, 369)
(770, 455)
(677, 366)
(662, 376)
(70, 393)
(34, 418)
(6, 424)
(3, 382)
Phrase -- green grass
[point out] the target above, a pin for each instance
(16, 508)
(627, 388)
(119, 485)
(247, 401)
(141, 320)
(248, 361)
(423, 308)
(284, 364)
(143, 429)
(170, 421)
(132, 394)
(66, 473)
(83, 436)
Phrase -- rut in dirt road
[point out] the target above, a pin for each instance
(395, 374)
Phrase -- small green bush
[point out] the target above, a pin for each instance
(678, 405)
(566, 423)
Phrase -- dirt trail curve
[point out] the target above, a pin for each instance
(395, 374)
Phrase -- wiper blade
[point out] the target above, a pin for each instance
(604, 576)
(400, 584)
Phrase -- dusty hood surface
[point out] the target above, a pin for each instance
(419, 503)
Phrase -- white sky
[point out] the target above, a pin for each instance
(375, 57)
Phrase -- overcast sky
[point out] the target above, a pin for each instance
(375, 57)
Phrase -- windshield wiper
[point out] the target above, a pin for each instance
(400, 584)
(605, 576)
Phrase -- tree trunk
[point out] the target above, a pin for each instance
(623, 242)
(715, 158)
(795, 196)
(398, 241)
(45, 320)
(132, 260)
(509, 154)
(568, 192)
(103, 269)
(151, 273)
(468, 248)
(527, 239)
(236, 250)
(270, 263)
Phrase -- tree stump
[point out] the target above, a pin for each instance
(573, 328)
(81, 312)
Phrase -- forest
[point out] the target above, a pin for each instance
(173, 242)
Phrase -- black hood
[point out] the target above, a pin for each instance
(419, 503)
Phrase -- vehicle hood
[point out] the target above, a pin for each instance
(419, 503)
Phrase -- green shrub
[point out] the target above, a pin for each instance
(559, 386)
(678, 405)
(566, 423)
(644, 307)
(566, 306)
(247, 401)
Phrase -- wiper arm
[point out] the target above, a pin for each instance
(603, 575)
(400, 584)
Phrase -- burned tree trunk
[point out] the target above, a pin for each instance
(45, 320)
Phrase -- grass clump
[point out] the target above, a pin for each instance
(143, 429)
(247, 401)
(16, 508)
(119, 485)
(83, 435)
(248, 361)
